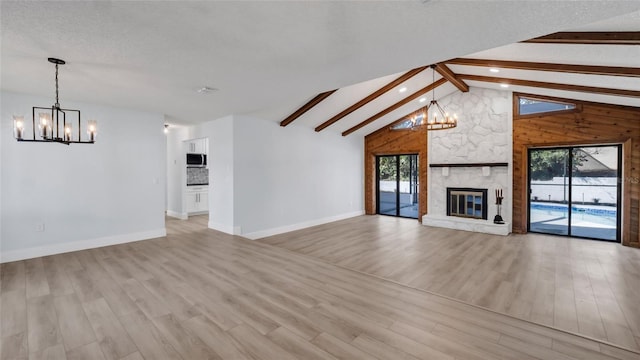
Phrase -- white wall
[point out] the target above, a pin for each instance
(265, 179)
(484, 135)
(85, 195)
(3, 130)
(220, 159)
(293, 177)
(176, 165)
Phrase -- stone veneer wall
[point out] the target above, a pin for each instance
(483, 135)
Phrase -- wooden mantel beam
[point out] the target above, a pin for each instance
(590, 37)
(306, 107)
(395, 106)
(404, 77)
(548, 85)
(539, 66)
(446, 73)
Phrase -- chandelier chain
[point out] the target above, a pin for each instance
(433, 80)
(57, 100)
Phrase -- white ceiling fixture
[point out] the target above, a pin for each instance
(402, 89)
(494, 70)
(206, 90)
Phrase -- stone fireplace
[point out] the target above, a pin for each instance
(475, 159)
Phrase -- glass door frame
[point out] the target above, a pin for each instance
(411, 181)
(570, 149)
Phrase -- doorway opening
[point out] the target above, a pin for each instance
(397, 185)
(575, 191)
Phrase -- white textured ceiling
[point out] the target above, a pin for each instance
(262, 55)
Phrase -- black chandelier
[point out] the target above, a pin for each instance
(53, 120)
(437, 118)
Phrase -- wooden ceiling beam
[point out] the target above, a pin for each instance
(555, 86)
(395, 106)
(446, 73)
(306, 107)
(539, 66)
(406, 76)
(590, 37)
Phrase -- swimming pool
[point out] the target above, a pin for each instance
(598, 215)
(592, 221)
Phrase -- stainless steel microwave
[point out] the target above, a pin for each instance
(196, 160)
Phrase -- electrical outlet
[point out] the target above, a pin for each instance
(39, 227)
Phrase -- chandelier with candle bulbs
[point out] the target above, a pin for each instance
(433, 116)
(55, 124)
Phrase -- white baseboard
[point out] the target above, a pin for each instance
(231, 230)
(305, 224)
(221, 227)
(33, 252)
(177, 215)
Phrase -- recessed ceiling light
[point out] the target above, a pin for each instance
(422, 99)
(206, 90)
(504, 85)
(402, 89)
(494, 70)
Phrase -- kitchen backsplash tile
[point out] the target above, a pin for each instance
(197, 176)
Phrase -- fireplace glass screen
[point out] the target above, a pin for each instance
(469, 203)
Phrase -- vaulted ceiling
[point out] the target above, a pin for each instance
(269, 58)
(598, 62)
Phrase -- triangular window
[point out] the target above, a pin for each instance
(403, 125)
(528, 106)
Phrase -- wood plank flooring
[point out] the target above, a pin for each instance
(201, 294)
(582, 286)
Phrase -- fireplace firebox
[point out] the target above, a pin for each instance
(467, 203)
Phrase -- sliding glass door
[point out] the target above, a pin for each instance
(387, 175)
(397, 185)
(549, 190)
(575, 191)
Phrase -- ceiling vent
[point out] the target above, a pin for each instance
(206, 90)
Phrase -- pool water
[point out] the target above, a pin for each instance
(594, 221)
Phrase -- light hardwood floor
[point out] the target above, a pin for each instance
(201, 294)
(583, 286)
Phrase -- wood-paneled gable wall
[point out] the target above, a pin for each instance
(394, 142)
(590, 123)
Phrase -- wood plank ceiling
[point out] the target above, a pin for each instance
(609, 79)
